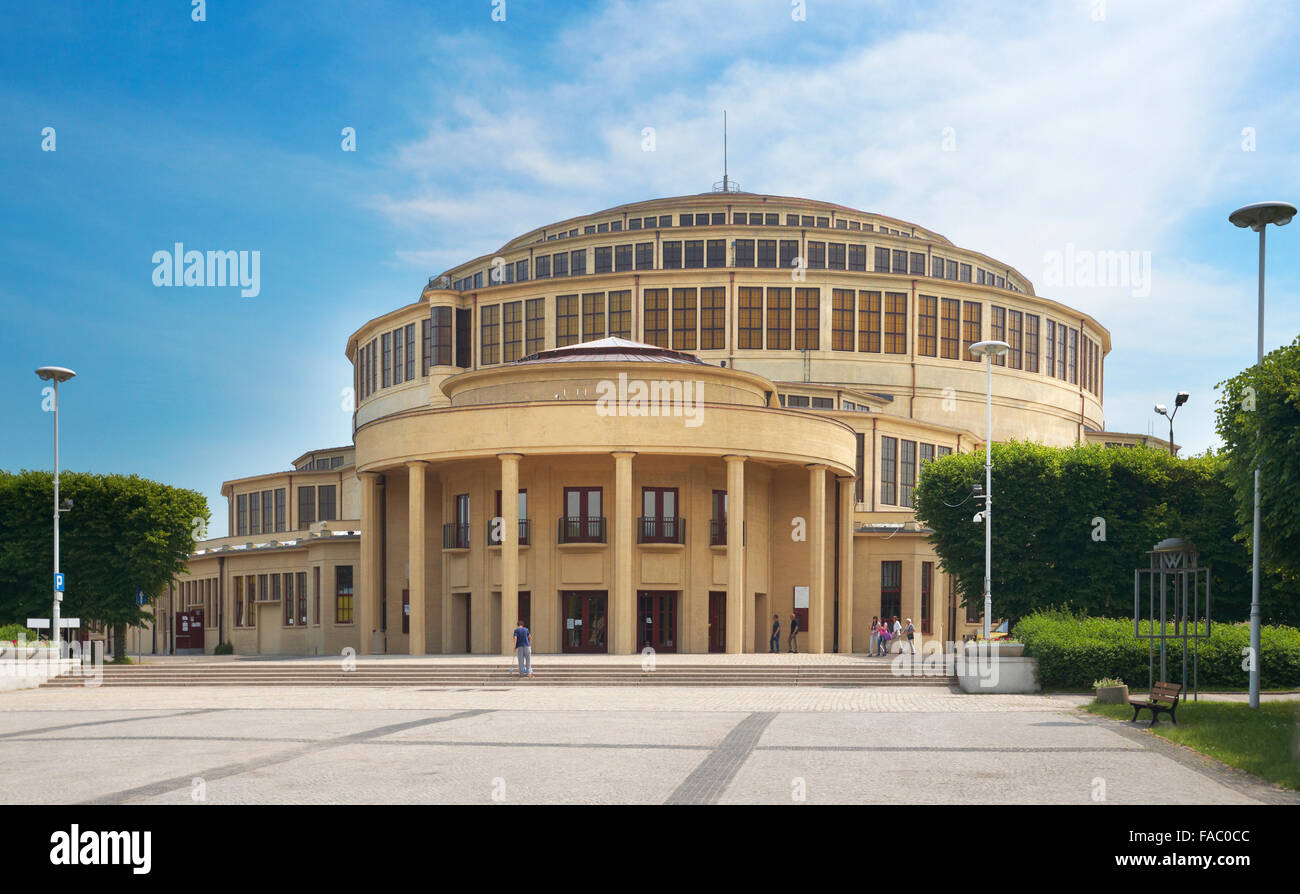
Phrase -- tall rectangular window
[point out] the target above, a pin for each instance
(998, 329)
(906, 473)
(858, 257)
(255, 513)
(239, 601)
(713, 318)
(399, 364)
(1061, 350)
(566, 320)
(891, 589)
(882, 260)
(342, 594)
(789, 251)
(534, 325)
(684, 319)
(859, 486)
(816, 256)
(835, 256)
(694, 253)
(490, 326)
(542, 265)
(560, 264)
(766, 252)
(301, 589)
(288, 605)
(744, 253)
(512, 330)
(807, 319)
(578, 262)
(315, 593)
(1014, 354)
(620, 313)
(971, 328)
(918, 263)
(843, 310)
(280, 509)
(949, 328)
(410, 351)
(927, 325)
(655, 313)
(622, 258)
(645, 255)
(387, 340)
(241, 514)
(778, 319)
(426, 345)
(888, 471)
(325, 499)
(895, 322)
(927, 585)
(750, 318)
(899, 264)
(1074, 357)
(672, 255)
(1049, 358)
(869, 322)
(604, 262)
(441, 336)
(1031, 343)
(716, 253)
(593, 316)
(306, 507)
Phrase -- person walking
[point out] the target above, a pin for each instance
(897, 634)
(874, 631)
(794, 633)
(774, 645)
(524, 649)
(911, 637)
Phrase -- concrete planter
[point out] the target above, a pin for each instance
(1112, 695)
(986, 674)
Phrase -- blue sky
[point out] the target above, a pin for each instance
(1106, 126)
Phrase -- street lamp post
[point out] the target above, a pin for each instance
(1258, 216)
(56, 374)
(988, 350)
(1164, 411)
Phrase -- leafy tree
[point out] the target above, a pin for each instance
(1070, 525)
(1258, 418)
(124, 533)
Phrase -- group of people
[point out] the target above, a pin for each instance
(884, 633)
(774, 645)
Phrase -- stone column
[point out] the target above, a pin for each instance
(735, 554)
(622, 604)
(367, 596)
(509, 549)
(817, 558)
(845, 570)
(416, 543)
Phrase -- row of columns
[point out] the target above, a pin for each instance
(622, 604)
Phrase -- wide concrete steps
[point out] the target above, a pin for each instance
(480, 675)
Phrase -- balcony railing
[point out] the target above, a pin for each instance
(496, 535)
(653, 529)
(455, 536)
(581, 529)
(718, 532)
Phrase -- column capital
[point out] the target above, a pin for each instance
(411, 464)
(734, 458)
(505, 456)
(620, 454)
(816, 467)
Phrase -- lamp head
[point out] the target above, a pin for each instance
(55, 373)
(991, 348)
(1181, 399)
(1261, 214)
(1162, 409)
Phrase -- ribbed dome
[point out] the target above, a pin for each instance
(612, 349)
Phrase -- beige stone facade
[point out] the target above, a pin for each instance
(692, 412)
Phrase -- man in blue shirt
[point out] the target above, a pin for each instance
(524, 649)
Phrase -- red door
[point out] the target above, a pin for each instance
(717, 622)
(196, 629)
(182, 630)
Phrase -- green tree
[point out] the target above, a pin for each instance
(124, 533)
(1258, 418)
(1070, 525)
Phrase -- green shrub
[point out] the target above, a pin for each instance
(1073, 651)
(224, 649)
(11, 633)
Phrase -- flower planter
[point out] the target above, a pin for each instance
(1112, 695)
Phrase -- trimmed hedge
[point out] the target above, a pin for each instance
(11, 632)
(1073, 651)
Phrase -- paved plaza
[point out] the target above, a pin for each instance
(893, 745)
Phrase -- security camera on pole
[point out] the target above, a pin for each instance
(56, 374)
(988, 350)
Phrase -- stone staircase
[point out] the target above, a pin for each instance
(497, 674)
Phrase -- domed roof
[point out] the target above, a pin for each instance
(612, 349)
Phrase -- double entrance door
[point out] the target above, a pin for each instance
(585, 615)
(189, 629)
(656, 620)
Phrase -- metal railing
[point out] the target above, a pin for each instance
(581, 529)
(455, 536)
(654, 529)
(496, 536)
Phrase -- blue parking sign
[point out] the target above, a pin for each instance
(139, 597)
(58, 582)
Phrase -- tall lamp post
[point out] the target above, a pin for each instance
(1258, 216)
(1164, 411)
(56, 374)
(988, 350)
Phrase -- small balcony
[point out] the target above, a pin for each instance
(718, 532)
(653, 529)
(495, 534)
(455, 536)
(581, 529)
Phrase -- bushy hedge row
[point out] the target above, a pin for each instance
(1073, 651)
(11, 632)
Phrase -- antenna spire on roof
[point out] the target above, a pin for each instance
(726, 184)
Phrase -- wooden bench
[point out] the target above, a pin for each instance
(1164, 697)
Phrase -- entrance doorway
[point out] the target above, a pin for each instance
(584, 620)
(717, 621)
(189, 629)
(460, 626)
(656, 620)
